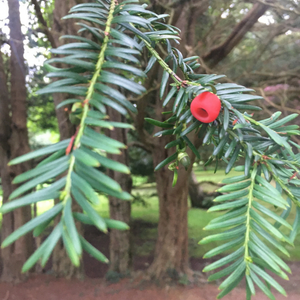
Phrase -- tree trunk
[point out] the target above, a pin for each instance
(195, 191)
(171, 250)
(14, 144)
(63, 27)
(120, 246)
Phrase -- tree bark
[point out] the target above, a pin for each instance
(218, 53)
(171, 251)
(195, 191)
(63, 27)
(14, 144)
(120, 246)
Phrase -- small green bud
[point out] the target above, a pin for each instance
(184, 159)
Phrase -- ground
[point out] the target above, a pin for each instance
(46, 287)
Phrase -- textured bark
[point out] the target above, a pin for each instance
(63, 27)
(120, 246)
(14, 143)
(195, 191)
(171, 250)
(218, 53)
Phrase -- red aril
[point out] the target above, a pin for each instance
(206, 107)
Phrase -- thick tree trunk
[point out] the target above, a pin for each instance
(63, 27)
(195, 191)
(15, 143)
(120, 246)
(171, 252)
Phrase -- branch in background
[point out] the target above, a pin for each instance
(43, 23)
(293, 110)
(146, 93)
(140, 145)
(218, 53)
(278, 6)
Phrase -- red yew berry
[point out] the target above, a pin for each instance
(206, 107)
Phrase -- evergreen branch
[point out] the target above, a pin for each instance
(247, 257)
(66, 193)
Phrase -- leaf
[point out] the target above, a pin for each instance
(158, 123)
(178, 99)
(166, 161)
(226, 235)
(124, 67)
(85, 188)
(38, 180)
(233, 159)
(191, 146)
(228, 223)
(100, 177)
(85, 158)
(71, 227)
(230, 148)
(171, 93)
(53, 237)
(50, 192)
(234, 276)
(40, 169)
(130, 19)
(194, 126)
(109, 77)
(116, 95)
(234, 187)
(231, 196)
(235, 179)
(124, 38)
(268, 199)
(50, 214)
(259, 283)
(84, 204)
(261, 221)
(283, 121)
(70, 249)
(164, 81)
(296, 225)
(226, 271)
(268, 278)
(92, 250)
(47, 150)
(151, 62)
(250, 285)
(41, 228)
(268, 237)
(226, 118)
(90, 142)
(229, 205)
(221, 249)
(271, 254)
(229, 288)
(271, 214)
(221, 145)
(225, 260)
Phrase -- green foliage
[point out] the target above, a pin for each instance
(100, 66)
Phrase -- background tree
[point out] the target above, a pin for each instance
(13, 143)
